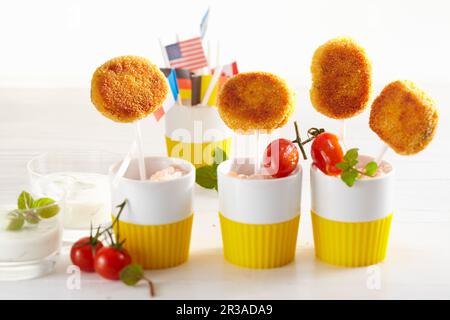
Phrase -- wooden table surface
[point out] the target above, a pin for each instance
(33, 121)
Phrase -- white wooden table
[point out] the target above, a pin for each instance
(418, 261)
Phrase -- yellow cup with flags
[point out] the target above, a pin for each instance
(157, 220)
(259, 218)
(351, 225)
(194, 132)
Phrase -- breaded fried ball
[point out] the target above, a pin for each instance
(341, 79)
(404, 117)
(287, 116)
(128, 88)
(255, 101)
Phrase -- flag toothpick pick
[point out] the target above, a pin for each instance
(173, 95)
(187, 54)
(212, 84)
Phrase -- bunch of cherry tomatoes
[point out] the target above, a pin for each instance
(91, 255)
(281, 156)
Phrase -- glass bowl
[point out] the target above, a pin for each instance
(82, 178)
(30, 239)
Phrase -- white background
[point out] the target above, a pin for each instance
(59, 43)
(49, 50)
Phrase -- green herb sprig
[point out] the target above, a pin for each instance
(350, 173)
(206, 176)
(30, 211)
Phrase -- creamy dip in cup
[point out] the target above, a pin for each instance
(29, 251)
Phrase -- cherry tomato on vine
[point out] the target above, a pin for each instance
(326, 152)
(281, 158)
(109, 261)
(83, 251)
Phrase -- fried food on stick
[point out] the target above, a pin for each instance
(342, 79)
(404, 117)
(255, 101)
(128, 88)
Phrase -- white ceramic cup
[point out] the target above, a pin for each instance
(157, 220)
(154, 202)
(257, 201)
(259, 218)
(367, 200)
(351, 225)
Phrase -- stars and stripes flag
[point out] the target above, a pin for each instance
(187, 54)
(171, 97)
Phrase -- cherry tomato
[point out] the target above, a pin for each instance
(83, 251)
(109, 261)
(281, 158)
(326, 152)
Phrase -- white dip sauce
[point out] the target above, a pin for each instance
(32, 242)
(87, 199)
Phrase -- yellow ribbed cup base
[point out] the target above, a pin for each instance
(351, 244)
(158, 246)
(199, 154)
(259, 246)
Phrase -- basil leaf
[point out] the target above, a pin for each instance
(342, 165)
(131, 274)
(206, 177)
(14, 221)
(25, 201)
(349, 177)
(351, 155)
(219, 156)
(49, 211)
(352, 163)
(371, 168)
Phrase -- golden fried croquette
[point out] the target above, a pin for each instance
(341, 79)
(404, 117)
(128, 88)
(255, 101)
(287, 116)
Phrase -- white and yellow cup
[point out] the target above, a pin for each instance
(259, 218)
(194, 132)
(351, 224)
(157, 220)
